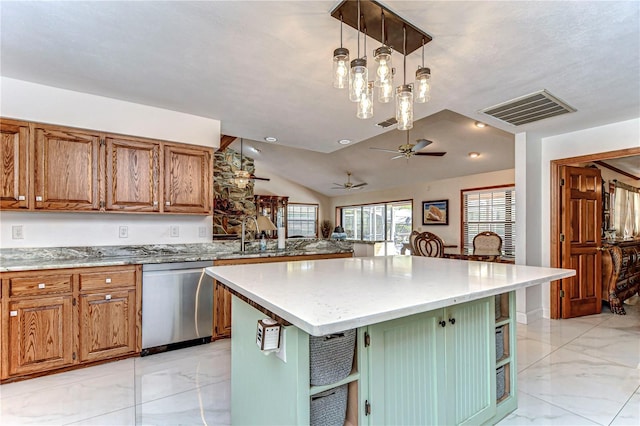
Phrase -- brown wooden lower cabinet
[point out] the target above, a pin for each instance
(50, 323)
(222, 297)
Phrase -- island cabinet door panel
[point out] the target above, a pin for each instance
(66, 170)
(470, 359)
(13, 166)
(188, 179)
(107, 324)
(132, 179)
(40, 334)
(406, 374)
(221, 312)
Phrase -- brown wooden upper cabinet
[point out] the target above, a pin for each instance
(14, 182)
(66, 169)
(188, 183)
(132, 175)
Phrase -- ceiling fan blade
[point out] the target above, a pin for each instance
(338, 187)
(421, 144)
(385, 150)
(431, 154)
(259, 178)
(359, 185)
(397, 156)
(426, 140)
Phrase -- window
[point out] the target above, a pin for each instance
(389, 221)
(302, 220)
(489, 209)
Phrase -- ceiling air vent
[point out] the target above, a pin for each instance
(527, 109)
(388, 122)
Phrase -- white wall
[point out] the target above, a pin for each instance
(612, 137)
(447, 189)
(35, 102)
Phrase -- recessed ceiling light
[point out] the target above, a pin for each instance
(271, 139)
(253, 149)
(344, 141)
(480, 124)
(474, 154)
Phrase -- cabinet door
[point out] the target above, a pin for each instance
(40, 335)
(188, 179)
(66, 170)
(14, 182)
(221, 312)
(107, 324)
(406, 374)
(132, 175)
(470, 349)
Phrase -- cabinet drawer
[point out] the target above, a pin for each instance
(34, 286)
(102, 280)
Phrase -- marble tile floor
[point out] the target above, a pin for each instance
(583, 371)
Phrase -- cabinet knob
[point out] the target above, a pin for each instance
(13, 313)
(155, 203)
(167, 203)
(41, 285)
(108, 281)
(21, 198)
(38, 197)
(107, 297)
(442, 323)
(452, 321)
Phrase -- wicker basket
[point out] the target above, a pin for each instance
(329, 407)
(499, 343)
(500, 382)
(331, 357)
(498, 306)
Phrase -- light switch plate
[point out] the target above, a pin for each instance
(123, 232)
(174, 231)
(17, 232)
(202, 231)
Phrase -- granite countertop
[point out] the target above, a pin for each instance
(330, 296)
(26, 259)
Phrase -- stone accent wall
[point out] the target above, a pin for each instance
(231, 203)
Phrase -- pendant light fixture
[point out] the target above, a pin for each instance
(423, 81)
(340, 61)
(384, 72)
(358, 74)
(365, 105)
(404, 94)
(242, 176)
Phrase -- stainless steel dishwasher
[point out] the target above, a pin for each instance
(170, 305)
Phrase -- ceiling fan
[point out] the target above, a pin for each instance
(251, 175)
(348, 185)
(408, 150)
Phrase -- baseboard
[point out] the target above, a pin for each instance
(529, 317)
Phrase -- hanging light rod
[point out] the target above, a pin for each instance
(371, 17)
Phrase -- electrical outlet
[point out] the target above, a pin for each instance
(202, 231)
(123, 232)
(17, 232)
(174, 231)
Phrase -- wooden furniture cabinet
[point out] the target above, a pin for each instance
(53, 320)
(270, 206)
(222, 297)
(14, 182)
(49, 167)
(620, 273)
(188, 179)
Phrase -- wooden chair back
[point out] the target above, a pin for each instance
(487, 243)
(426, 244)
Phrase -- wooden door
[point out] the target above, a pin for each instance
(66, 169)
(221, 312)
(132, 175)
(107, 324)
(188, 179)
(40, 335)
(581, 219)
(14, 172)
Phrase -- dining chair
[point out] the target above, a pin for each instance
(426, 244)
(487, 243)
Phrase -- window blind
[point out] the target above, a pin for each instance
(302, 220)
(489, 210)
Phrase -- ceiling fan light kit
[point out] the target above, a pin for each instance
(348, 185)
(394, 30)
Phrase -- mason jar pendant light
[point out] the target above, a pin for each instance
(384, 72)
(423, 81)
(358, 75)
(365, 104)
(404, 95)
(340, 61)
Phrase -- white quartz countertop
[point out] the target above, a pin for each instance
(328, 296)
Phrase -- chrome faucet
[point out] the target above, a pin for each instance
(243, 230)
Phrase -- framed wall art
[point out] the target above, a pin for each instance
(435, 212)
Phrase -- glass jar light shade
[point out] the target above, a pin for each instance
(385, 92)
(242, 178)
(358, 79)
(384, 71)
(423, 85)
(340, 67)
(404, 107)
(365, 105)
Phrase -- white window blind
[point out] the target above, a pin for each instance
(302, 220)
(489, 210)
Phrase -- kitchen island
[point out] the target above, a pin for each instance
(425, 349)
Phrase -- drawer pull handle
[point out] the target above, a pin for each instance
(21, 198)
(155, 203)
(13, 313)
(108, 281)
(107, 297)
(38, 197)
(167, 203)
(42, 285)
